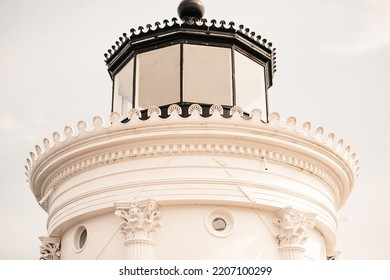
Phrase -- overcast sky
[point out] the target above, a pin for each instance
(333, 61)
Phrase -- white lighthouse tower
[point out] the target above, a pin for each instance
(190, 164)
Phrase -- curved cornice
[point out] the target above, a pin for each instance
(339, 168)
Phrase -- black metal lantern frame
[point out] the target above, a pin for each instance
(184, 34)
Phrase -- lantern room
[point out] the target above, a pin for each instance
(190, 61)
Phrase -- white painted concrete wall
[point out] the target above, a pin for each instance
(190, 166)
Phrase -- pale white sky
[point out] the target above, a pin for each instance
(333, 62)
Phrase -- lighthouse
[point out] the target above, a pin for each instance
(191, 164)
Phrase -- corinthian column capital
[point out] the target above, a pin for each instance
(294, 226)
(50, 248)
(139, 220)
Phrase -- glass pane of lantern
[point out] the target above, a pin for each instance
(207, 75)
(250, 84)
(158, 77)
(123, 89)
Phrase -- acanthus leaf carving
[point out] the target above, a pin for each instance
(50, 248)
(294, 226)
(139, 220)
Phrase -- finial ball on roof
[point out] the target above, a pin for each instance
(191, 9)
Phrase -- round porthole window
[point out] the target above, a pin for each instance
(219, 222)
(80, 238)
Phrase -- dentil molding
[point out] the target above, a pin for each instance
(49, 165)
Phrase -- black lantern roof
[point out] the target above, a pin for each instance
(191, 30)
